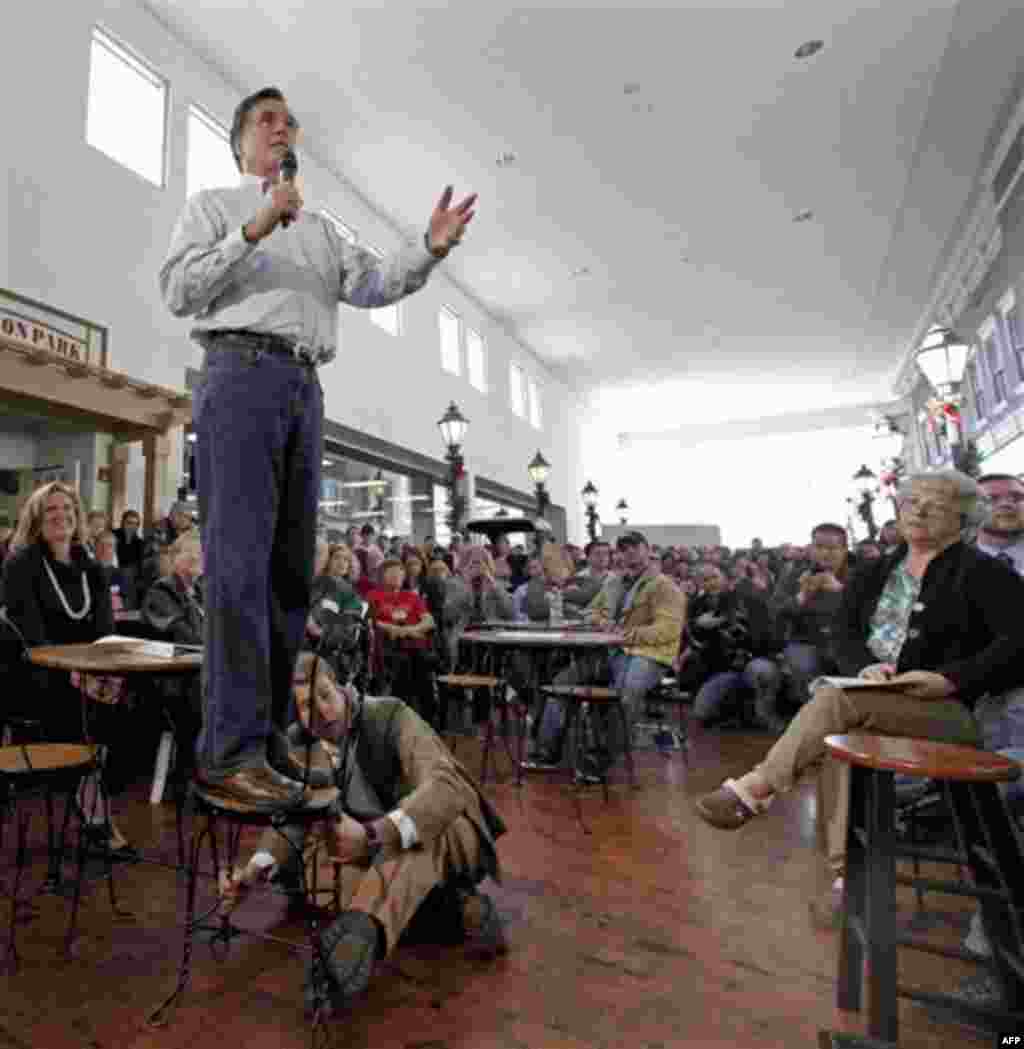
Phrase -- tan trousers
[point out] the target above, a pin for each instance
(832, 711)
(392, 891)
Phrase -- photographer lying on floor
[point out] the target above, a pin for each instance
(424, 832)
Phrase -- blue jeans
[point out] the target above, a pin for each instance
(259, 421)
(634, 676)
(760, 678)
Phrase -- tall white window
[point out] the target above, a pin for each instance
(127, 111)
(448, 324)
(534, 403)
(388, 318)
(516, 389)
(475, 360)
(1014, 332)
(210, 164)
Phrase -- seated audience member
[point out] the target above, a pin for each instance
(806, 607)
(173, 609)
(159, 541)
(544, 591)
(502, 568)
(332, 591)
(96, 523)
(533, 569)
(404, 628)
(734, 640)
(414, 577)
(649, 612)
(56, 594)
(130, 555)
(105, 554)
(423, 840)
(939, 618)
(583, 588)
(473, 596)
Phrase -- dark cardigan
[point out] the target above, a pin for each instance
(967, 624)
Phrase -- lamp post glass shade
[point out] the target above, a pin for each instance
(539, 469)
(453, 425)
(942, 358)
(589, 494)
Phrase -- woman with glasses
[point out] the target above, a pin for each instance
(938, 617)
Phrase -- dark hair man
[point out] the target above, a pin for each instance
(1002, 531)
(263, 278)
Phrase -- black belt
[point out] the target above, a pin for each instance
(265, 342)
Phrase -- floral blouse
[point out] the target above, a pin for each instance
(889, 622)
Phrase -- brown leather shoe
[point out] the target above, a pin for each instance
(260, 789)
(482, 927)
(724, 809)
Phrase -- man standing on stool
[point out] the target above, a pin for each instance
(263, 279)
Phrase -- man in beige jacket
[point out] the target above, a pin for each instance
(413, 824)
(649, 611)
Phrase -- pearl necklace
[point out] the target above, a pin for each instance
(86, 605)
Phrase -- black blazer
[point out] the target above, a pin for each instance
(33, 604)
(967, 624)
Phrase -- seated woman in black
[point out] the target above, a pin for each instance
(173, 611)
(56, 594)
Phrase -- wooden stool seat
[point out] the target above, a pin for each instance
(922, 757)
(586, 693)
(468, 680)
(44, 757)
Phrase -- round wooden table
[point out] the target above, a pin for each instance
(121, 659)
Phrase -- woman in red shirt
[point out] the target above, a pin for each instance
(404, 627)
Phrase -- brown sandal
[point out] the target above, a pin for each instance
(725, 809)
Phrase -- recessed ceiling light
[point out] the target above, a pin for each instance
(506, 159)
(631, 88)
(808, 48)
(803, 216)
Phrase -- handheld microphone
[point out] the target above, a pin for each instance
(289, 169)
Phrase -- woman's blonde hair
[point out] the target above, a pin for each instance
(333, 551)
(30, 521)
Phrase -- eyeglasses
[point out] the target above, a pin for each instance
(925, 509)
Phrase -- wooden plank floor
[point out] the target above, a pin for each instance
(653, 931)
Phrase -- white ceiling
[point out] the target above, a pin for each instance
(678, 193)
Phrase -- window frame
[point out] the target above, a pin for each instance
(533, 410)
(442, 310)
(117, 48)
(470, 333)
(1013, 331)
(205, 117)
(991, 353)
(517, 382)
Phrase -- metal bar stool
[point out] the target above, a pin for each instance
(987, 844)
(495, 686)
(208, 816)
(33, 770)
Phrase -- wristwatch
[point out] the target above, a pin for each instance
(374, 845)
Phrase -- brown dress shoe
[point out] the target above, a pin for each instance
(482, 926)
(260, 789)
(724, 809)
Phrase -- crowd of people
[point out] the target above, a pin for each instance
(748, 633)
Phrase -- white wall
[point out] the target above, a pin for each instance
(88, 236)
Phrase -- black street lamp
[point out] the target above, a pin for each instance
(453, 426)
(589, 494)
(539, 469)
(865, 482)
(623, 508)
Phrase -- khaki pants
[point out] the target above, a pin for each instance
(832, 711)
(393, 890)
